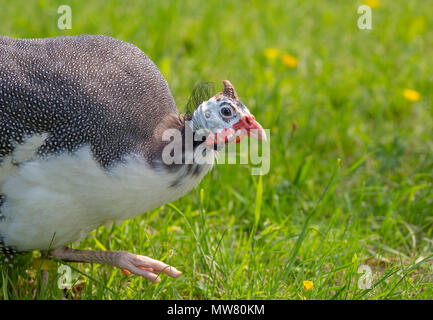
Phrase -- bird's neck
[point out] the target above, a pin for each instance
(198, 120)
(181, 139)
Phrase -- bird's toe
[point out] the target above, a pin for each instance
(146, 267)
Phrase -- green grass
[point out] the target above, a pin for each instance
(312, 217)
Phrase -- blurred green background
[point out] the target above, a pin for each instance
(327, 91)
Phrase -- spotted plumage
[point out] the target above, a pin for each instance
(83, 90)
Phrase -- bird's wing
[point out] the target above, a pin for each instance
(80, 90)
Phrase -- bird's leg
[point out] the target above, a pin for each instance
(44, 282)
(43, 265)
(136, 264)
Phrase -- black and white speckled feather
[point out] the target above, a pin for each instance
(81, 90)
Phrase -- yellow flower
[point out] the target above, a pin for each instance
(271, 53)
(411, 95)
(289, 60)
(372, 3)
(308, 285)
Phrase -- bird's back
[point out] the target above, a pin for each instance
(80, 90)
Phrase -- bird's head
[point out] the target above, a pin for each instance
(223, 119)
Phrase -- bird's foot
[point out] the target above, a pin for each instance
(126, 261)
(145, 266)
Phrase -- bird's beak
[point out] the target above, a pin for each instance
(246, 126)
(249, 126)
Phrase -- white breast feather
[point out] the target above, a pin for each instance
(53, 201)
(22, 152)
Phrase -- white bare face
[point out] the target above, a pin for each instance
(224, 120)
(216, 115)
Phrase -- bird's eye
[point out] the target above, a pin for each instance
(226, 112)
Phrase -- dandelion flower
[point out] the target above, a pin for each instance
(271, 53)
(372, 3)
(289, 60)
(308, 285)
(411, 95)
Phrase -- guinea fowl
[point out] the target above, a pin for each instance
(83, 136)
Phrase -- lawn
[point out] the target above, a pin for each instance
(349, 188)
